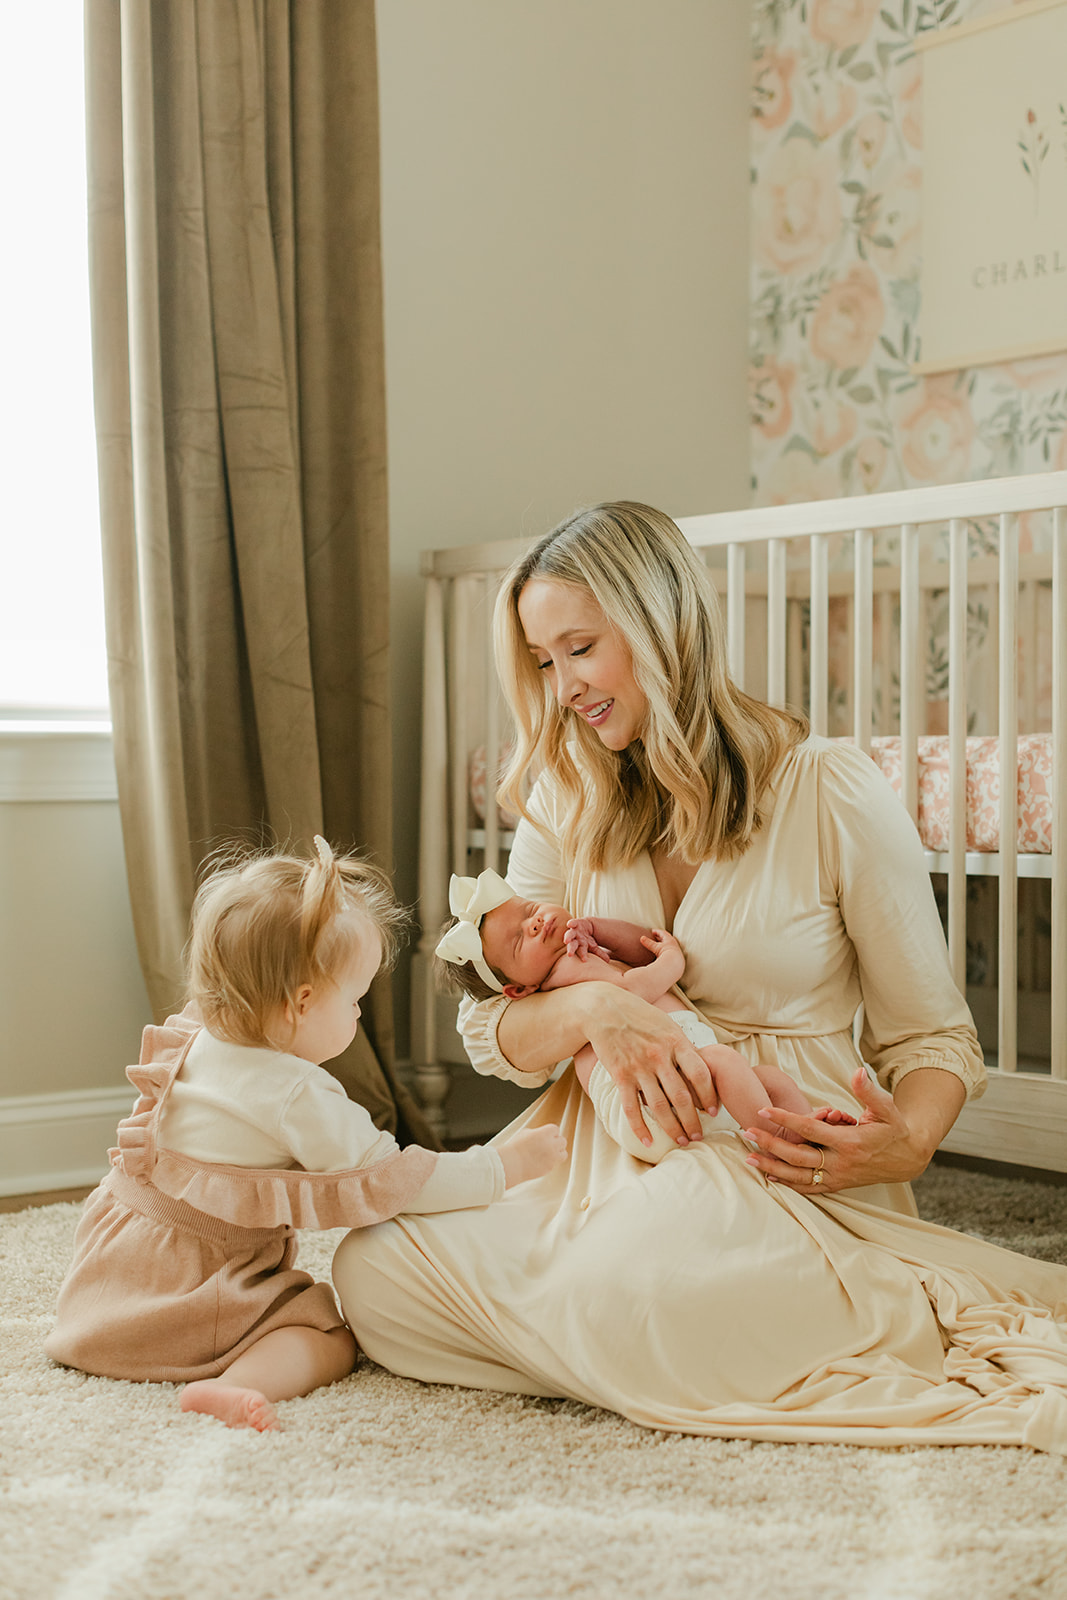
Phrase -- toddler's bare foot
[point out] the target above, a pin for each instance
(237, 1408)
(532, 1153)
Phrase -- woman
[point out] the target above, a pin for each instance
(721, 1291)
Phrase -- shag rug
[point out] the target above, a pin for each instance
(382, 1487)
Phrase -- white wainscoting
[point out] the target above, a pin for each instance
(58, 1141)
(72, 999)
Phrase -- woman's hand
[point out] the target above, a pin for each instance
(892, 1142)
(651, 1062)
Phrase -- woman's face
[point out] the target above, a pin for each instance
(587, 665)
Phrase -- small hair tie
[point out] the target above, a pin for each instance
(469, 899)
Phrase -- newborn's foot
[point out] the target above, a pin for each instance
(237, 1408)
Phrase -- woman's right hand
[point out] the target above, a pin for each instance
(650, 1061)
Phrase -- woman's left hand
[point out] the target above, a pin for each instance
(883, 1146)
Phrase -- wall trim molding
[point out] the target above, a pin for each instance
(42, 761)
(58, 1141)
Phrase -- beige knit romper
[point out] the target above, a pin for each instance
(180, 1265)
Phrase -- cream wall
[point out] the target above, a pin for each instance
(565, 240)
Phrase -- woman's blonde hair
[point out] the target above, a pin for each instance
(267, 923)
(693, 782)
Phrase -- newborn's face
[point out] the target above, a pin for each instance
(523, 939)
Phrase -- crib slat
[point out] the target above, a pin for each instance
(492, 734)
(1008, 729)
(862, 633)
(819, 635)
(432, 1078)
(957, 751)
(776, 621)
(1059, 795)
(735, 612)
(911, 673)
(460, 696)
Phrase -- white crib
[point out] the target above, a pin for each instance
(793, 577)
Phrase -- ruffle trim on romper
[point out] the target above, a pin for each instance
(251, 1197)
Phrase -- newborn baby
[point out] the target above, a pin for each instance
(500, 943)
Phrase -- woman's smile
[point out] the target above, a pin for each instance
(588, 665)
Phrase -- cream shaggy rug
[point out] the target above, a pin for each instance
(382, 1487)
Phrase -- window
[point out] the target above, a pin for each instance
(52, 655)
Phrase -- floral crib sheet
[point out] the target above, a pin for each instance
(983, 790)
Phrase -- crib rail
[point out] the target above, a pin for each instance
(785, 581)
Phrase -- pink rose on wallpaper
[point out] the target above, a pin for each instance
(936, 430)
(871, 458)
(771, 387)
(1040, 372)
(842, 22)
(772, 98)
(834, 104)
(907, 92)
(796, 207)
(849, 319)
(898, 225)
(870, 138)
(835, 425)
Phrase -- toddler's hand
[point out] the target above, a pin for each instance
(580, 939)
(532, 1153)
(659, 941)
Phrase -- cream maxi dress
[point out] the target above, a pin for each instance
(694, 1295)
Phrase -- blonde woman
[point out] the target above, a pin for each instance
(787, 1292)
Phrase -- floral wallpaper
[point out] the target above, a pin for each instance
(837, 145)
(836, 171)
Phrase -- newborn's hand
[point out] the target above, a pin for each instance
(580, 939)
(532, 1153)
(659, 941)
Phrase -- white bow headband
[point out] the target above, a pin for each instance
(469, 899)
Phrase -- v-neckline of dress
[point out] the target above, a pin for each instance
(659, 893)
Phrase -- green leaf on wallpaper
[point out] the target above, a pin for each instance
(904, 293)
(799, 130)
(890, 21)
(847, 55)
(861, 71)
(854, 187)
(889, 347)
(883, 241)
(863, 394)
(845, 378)
(798, 442)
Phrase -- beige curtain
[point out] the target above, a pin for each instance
(237, 335)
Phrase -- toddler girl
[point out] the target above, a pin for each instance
(183, 1266)
(498, 943)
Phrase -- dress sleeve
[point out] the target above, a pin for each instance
(913, 1014)
(535, 868)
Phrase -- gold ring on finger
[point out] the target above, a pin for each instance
(816, 1177)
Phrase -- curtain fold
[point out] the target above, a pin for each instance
(235, 273)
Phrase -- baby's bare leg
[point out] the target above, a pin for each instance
(283, 1364)
(745, 1090)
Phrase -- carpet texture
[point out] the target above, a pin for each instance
(381, 1487)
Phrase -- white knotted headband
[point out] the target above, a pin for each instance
(469, 899)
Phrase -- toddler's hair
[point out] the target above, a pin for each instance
(266, 923)
(456, 979)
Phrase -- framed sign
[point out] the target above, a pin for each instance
(994, 206)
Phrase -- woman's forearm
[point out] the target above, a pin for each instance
(542, 1029)
(930, 1100)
